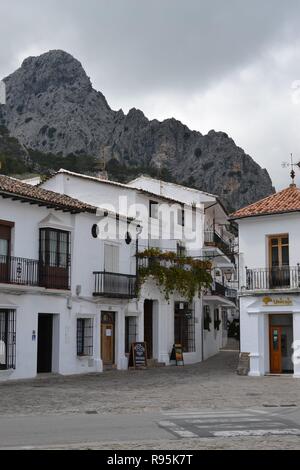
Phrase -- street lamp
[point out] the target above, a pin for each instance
(228, 275)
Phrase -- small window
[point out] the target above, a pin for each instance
(84, 337)
(206, 317)
(217, 321)
(181, 217)
(130, 332)
(7, 339)
(181, 250)
(153, 209)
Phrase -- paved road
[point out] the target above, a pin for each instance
(64, 431)
(47, 431)
(228, 423)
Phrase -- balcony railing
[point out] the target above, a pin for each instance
(29, 272)
(222, 290)
(213, 238)
(115, 285)
(285, 277)
(218, 289)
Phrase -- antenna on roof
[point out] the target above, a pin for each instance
(291, 165)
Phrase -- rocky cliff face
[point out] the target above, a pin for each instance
(52, 107)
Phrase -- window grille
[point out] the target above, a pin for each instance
(185, 326)
(7, 339)
(130, 332)
(85, 337)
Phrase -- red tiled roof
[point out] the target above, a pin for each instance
(287, 200)
(13, 188)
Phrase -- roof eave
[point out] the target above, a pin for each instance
(48, 204)
(264, 214)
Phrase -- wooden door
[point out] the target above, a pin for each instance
(148, 327)
(5, 243)
(108, 339)
(275, 350)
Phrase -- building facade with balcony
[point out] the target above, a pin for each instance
(270, 283)
(150, 317)
(61, 306)
(215, 243)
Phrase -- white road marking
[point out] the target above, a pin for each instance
(180, 431)
(208, 417)
(257, 432)
(225, 423)
(222, 421)
(236, 426)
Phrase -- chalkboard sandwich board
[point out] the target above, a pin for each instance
(177, 355)
(138, 356)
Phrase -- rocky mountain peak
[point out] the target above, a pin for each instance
(53, 108)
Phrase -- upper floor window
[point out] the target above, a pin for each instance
(55, 247)
(153, 209)
(181, 217)
(55, 258)
(279, 251)
(5, 238)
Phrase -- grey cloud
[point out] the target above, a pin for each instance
(136, 49)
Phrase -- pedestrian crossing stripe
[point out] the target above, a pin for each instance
(225, 423)
(257, 432)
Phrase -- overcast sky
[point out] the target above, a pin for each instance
(229, 65)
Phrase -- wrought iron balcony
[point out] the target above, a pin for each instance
(113, 285)
(285, 277)
(30, 272)
(218, 289)
(213, 238)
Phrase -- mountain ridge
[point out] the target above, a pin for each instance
(52, 108)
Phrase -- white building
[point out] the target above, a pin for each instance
(53, 316)
(68, 300)
(200, 326)
(270, 282)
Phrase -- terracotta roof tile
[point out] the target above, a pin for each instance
(11, 187)
(287, 200)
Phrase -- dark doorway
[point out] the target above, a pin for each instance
(148, 327)
(45, 334)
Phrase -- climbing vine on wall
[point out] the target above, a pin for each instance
(183, 274)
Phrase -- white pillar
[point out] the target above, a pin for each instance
(165, 317)
(296, 339)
